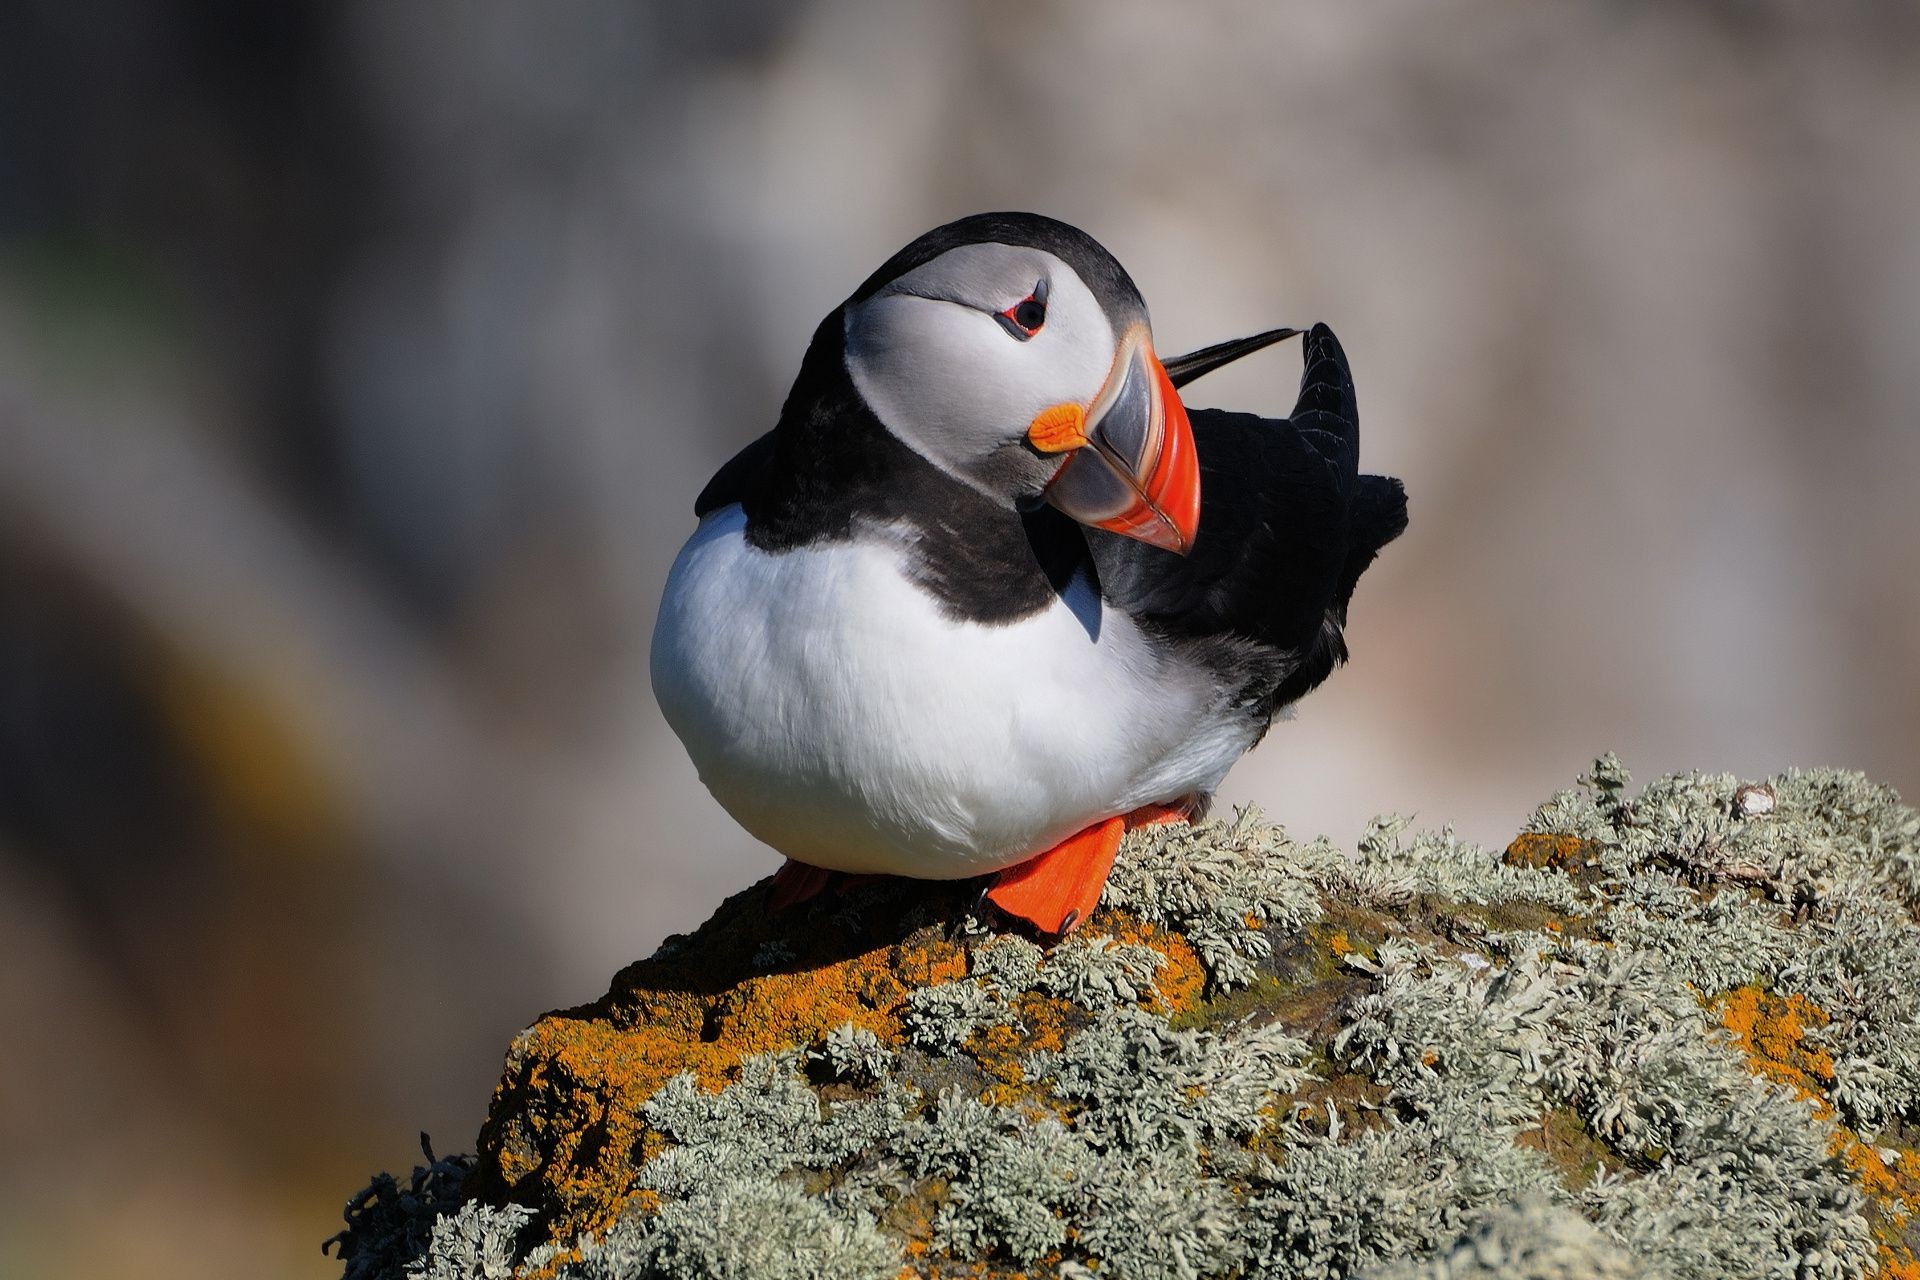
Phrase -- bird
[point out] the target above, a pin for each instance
(989, 594)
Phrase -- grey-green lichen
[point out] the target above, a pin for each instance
(852, 1054)
(474, 1242)
(1221, 886)
(1667, 1034)
(754, 1229)
(393, 1228)
(1814, 895)
(1531, 1240)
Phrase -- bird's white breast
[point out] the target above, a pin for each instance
(839, 715)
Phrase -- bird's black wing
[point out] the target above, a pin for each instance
(1287, 525)
(731, 482)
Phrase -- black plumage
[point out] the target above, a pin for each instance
(1287, 524)
(830, 472)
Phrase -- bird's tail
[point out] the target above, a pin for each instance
(1326, 414)
(1328, 418)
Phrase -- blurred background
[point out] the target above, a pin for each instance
(359, 363)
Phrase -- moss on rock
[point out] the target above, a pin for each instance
(1668, 1033)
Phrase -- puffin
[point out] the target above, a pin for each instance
(989, 594)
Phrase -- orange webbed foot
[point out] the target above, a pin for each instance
(1059, 889)
(798, 882)
(795, 882)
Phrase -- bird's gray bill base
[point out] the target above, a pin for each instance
(1133, 468)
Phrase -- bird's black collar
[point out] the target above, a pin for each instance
(831, 472)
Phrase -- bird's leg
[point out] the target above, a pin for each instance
(795, 882)
(1159, 815)
(1057, 890)
(968, 919)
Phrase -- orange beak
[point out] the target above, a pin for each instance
(1131, 466)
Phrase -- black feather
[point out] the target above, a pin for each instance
(1287, 526)
(1198, 364)
(730, 483)
(830, 472)
(1287, 523)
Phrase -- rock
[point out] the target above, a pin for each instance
(1669, 1033)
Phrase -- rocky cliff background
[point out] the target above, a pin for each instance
(358, 363)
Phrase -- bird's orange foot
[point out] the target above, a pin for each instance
(1059, 889)
(795, 882)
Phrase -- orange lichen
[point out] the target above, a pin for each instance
(1544, 852)
(1041, 1023)
(1893, 1191)
(1772, 1031)
(1045, 1021)
(1182, 980)
(1340, 945)
(567, 1132)
(999, 1049)
(1898, 1263)
(912, 1217)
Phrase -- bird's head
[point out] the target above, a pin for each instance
(1013, 352)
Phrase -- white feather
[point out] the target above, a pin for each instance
(841, 717)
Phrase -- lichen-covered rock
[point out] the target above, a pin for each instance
(1532, 1240)
(1668, 1034)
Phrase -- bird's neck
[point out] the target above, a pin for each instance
(836, 474)
(835, 467)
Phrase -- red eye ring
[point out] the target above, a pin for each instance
(1024, 318)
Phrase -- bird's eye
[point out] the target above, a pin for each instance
(1024, 318)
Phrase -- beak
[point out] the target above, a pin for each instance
(1131, 466)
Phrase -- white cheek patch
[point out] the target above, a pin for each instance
(941, 373)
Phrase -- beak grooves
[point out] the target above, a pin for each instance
(1134, 469)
